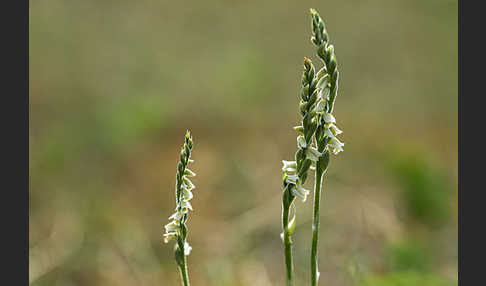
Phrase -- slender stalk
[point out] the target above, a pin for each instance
(315, 224)
(183, 271)
(288, 246)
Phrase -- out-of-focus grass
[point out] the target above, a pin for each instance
(407, 278)
(427, 189)
(115, 84)
(407, 256)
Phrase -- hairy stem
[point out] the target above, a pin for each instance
(315, 224)
(288, 246)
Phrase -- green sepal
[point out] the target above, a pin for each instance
(179, 254)
(291, 226)
(323, 162)
(299, 128)
(304, 168)
(189, 173)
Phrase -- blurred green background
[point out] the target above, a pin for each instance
(115, 84)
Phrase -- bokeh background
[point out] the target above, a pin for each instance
(115, 84)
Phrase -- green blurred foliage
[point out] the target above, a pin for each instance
(407, 278)
(427, 190)
(408, 256)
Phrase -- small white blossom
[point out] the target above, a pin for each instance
(185, 205)
(172, 227)
(334, 129)
(289, 166)
(329, 118)
(187, 184)
(300, 192)
(176, 216)
(336, 145)
(328, 132)
(291, 179)
(169, 236)
(187, 194)
(187, 249)
(301, 142)
(189, 173)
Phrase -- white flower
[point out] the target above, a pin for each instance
(176, 216)
(328, 132)
(291, 179)
(336, 145)
(329, 118)
(172, 227)
(300, 192)
(189, 173)
(334, 129)
(289, 166)
(187, 184)
(187, 194)
(313, 154)
(187, 249)
(185, 205)
(169, 236)
(301, 142)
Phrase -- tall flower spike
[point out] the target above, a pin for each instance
(328, 87)
(328, 77)
(295, 172)
(177, 228)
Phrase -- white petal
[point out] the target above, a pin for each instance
(291, 179)
(169, 236)
(176, 216)
(299, 128)
(329, 118)
(171, 227)
(188, 184)
(302, 189)
(185, 205)
(335, 129)
(336, 145)
(187, 249)
(187, 194)
(189, 173)
(328, 132)
(300, 192)
(289, 166)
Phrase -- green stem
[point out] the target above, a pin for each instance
(183, 271)
(315, 224)
(288, 246)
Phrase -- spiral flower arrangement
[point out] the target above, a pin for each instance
(317, 139)
(177, 228)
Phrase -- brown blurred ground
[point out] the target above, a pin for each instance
(115, 84)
